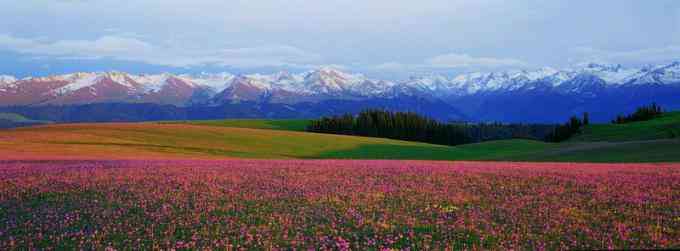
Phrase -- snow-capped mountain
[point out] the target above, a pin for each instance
(572, 90)
(607, 75)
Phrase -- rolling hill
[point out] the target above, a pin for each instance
(11, 120)
(667, 126)
(646, 141)
(161, 140)
(273, 124)
(248, 139)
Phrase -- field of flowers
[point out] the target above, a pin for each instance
(326, 204)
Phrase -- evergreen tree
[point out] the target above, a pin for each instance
(586, 118)
(641, 114)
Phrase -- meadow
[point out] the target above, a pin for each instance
(283, 140)
(666, 126)
(298, 125)
(260, 184)
(162, 140)
(331, 204)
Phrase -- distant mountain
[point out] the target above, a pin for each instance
(543, 95)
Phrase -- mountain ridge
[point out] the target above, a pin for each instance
(565, 90)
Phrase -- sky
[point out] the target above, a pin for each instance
(381, 38)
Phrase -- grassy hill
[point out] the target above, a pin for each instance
(133, 140)
(667, 126)
(281, 124)
(18, 118)
(665, 150)
(635, 142)
(10, 120)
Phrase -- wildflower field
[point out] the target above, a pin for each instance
(330, 204)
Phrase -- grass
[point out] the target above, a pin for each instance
(492, 150)
(608, 152)
(282, 139)
(17, 118)
(130, 140)
(281, 124)
(667, 126)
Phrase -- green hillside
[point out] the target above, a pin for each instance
(281, 139)
(492, 150)
(14, 117)
(281, 124)
(142, 140)
(10, 120)
(667, 126)
(648, 141)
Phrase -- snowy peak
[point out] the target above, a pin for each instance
(328, 81)
(243, 88)
(589, 75)
(217, 82)
(7, 82)
(610, 73)
(78, 81)
(6, 79)
(321, 84)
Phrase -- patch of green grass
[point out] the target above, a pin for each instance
(274, 124)
(18, 118)
(635, 151)
(199, 141)
(195, 141)
(492, 150)
(666, 126)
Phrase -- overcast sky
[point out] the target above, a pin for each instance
(378, 37)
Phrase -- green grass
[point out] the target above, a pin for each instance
(667, 126)
(181, 140)
(634, 151)
(646, 142)
(17, 118)
(283, 139)
(282, 124)
(492, 150)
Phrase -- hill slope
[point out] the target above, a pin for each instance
(233, 139)
(667, 126)
(11, 120)
(154, 140)
(298, 125)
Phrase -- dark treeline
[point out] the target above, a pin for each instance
(498, 131)
(641, 114)
(565, 131)
(574, 125)
(413, 127)
(394, 125)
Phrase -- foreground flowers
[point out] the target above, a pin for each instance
(336, 205)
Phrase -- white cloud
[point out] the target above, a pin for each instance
(133, 49)
(640, 56)
(454, 60)
(393, 66)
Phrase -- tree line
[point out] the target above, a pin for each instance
(414, 127)
(411, 126)
(566, 130)
(641, 114)
(574, 125)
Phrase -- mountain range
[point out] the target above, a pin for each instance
(542, 95)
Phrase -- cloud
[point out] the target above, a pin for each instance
(133, 49)
(394, 66)
(454, 60)
(640, 56)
